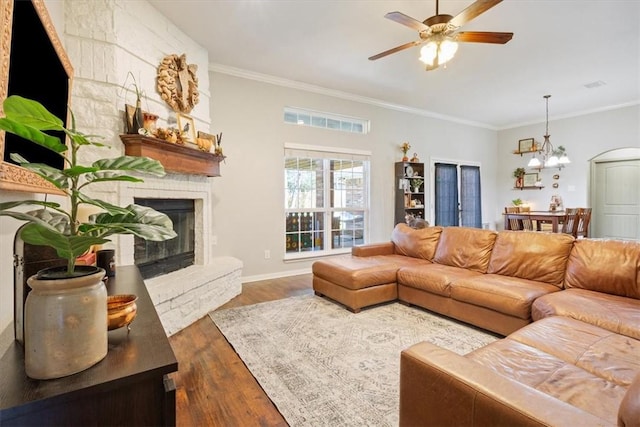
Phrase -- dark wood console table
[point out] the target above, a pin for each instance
(131, 386)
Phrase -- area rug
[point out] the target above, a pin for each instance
(322, 365)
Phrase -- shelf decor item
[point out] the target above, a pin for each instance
(405, 147)
(417, 183)
(66, 311)
(526, 145)
(134, 114)
(518, 174)
(530, 179)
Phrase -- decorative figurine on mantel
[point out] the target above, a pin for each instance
(415, 158)
(405, 147)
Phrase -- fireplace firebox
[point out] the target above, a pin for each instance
(157, 258)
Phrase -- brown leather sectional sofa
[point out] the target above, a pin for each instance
(569, 310)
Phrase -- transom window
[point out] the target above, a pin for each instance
(318, 119)
(326, 201)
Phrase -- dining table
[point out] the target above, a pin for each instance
(555, 218)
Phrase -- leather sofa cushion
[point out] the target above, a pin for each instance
(434, 278)
(465, 247)
(508, 295)
(609, 266)
(581, 364)
(614, 313)
(531, 255)
(355, 272)
(417, 243)
(603, 353)
(552, 376)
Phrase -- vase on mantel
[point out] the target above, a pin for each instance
(65, 326)
(137, 121)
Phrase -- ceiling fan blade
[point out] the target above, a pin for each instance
(403, 19)
(483, 37)
(472, 11)
(394, 50)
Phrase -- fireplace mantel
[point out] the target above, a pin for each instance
(174, 157)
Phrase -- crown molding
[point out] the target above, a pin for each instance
(572, 115)
(293, 84)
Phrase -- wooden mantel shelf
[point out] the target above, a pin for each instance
(174, 157)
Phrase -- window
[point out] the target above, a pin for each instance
(326, 200)
(457, 195)
(298, 116)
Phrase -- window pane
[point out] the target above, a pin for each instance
(320, 122)
(290, 117)
(333, 124)
(304, 119)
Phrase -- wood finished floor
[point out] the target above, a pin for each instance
(213, 386)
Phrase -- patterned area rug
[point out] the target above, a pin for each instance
(322, 365)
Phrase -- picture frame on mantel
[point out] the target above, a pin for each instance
(187, 125)
(526, 145)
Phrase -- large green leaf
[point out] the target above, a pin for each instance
(31, 113)
(141, 221)
(10, 205)
(27, 119)
(110, 176)
(32, 134)
(112, 209)
(68, 247)
(131, 163)
(51, 174)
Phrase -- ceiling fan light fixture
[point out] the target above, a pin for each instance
(438, 52)
(428, 53)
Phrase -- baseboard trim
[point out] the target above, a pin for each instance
(258, 277)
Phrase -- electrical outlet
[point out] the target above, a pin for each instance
(267, 254)
(214, 240)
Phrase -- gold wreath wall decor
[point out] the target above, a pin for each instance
(178, 83)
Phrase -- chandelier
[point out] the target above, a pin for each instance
(550, 157)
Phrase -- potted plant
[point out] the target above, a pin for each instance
(518, 174)
(405, 148)
(66, 311)
(416, 184)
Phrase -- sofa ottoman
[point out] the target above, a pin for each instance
(355, 282)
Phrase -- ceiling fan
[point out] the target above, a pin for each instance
(440, 34)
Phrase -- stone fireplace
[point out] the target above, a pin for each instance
(186, 294)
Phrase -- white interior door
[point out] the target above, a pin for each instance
(616, 208)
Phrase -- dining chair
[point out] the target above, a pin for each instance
(570, 221)
(514, 224)
(527, 224)
(581, 226)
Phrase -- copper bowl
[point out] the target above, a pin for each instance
(121, 310)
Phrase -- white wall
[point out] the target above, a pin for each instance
(584, 137)
(248, 213)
